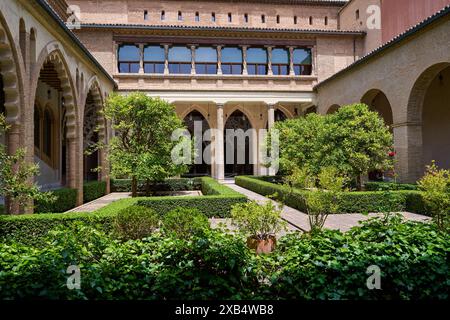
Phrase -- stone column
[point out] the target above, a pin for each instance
(409, 165)
(313, 61)
(166, 59)
(270, 124)
(291, 61)
(269, 61)
(244, 60)
(219, 147)
(193, 59)
(116, 57)
(219, 60)
(141, 55)
(13, 144)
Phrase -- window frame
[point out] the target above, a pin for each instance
(154, 62)
(128, 63)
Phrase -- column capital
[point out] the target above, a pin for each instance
(271, 105)
(220, 105)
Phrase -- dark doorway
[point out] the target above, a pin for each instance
(198, 169)
(239, 163)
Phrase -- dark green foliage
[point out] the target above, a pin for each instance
(180, 184)
(66, 199)
(349, 202)
(184, 223)
(93, 190)
(135, 223)
(2, 209)
(413, 258)
(389, 186)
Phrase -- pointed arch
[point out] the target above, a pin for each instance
(52, 54)
(240, 108)
(193, 108)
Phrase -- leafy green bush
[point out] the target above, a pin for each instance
(179, 184)
(349, 202)
(2, 209)
(135, 222)
(93, 190)
(184, 223)
(66, 199)
(259, 221)
(412, 257)
(389, 186)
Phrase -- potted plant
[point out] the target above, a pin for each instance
(260, 223)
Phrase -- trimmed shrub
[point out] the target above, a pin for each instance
(179, 184)
(216, 202)
(389, 186)
(2, 209)
(349, 202)
(31, 229)
(93, 190)
(66, 199)
(135, 223)
(184, 223)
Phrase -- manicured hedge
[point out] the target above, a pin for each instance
(31, 229)
(349, 202)
(93, 190)
(179, 184)
(66, 199)
(2, 209)
(216, 202)
(389, 186)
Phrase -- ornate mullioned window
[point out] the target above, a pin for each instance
(257, 61)
(129, 59)
(180, 60)
(280, 61)
(302, 62)
(232, 60)
(154, 59)
(205, 60)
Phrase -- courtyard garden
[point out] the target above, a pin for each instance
(155, 245)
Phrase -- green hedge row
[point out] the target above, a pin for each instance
(178, 184)
(349, 202)
(66, 199)
(30, 229)
(93, 190)
(216, 202)
(389, 186)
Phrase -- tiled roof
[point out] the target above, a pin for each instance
(222, 28)
(397, 39)
(294, 2)
(45, 5)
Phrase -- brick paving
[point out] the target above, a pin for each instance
(299, 220)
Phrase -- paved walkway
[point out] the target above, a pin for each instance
(101, 202)
(299, 220)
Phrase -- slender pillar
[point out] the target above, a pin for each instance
(193, 59)
(13, 144)
(313, 61)
(291, 61)
(219, 60)
(244, 60)
(269, 61)
(166, 59)
(141, 55)
(116, 57)
(219, 147)
(270, 124)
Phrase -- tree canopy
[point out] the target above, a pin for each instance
(142, 145)
(354, 140)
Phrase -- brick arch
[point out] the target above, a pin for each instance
(52, 53)
(332, 109)
(285, 110)
(378, 101)
(10, 71)
(419, 90)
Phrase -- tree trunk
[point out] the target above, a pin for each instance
(134, 187)
(358, 182)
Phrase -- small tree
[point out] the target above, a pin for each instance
(354, 140)
(142, 145)
(436, 193)
(16, 174)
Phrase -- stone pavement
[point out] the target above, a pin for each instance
(101, 202)
(299, 220)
